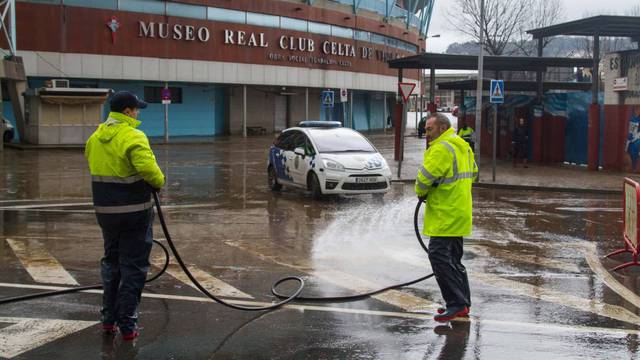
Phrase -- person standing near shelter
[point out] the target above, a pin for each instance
(467, 134)
(444, 183)
(520, 142)
(124, 172)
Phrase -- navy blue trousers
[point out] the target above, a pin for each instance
(128, 239)
(445, 255)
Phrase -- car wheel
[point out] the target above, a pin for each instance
(314, 186)
(7, 136)
(273, 179)
(378, 196)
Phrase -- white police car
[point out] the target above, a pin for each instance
(325, 158)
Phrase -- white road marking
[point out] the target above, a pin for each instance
(43, 206)
(538, 292)
(609, 280)
(29, 333)
(393, 297)
(41, 265)
(527, 259)
(542, 328)
(208, 281)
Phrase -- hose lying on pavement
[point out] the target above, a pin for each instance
(286, 298)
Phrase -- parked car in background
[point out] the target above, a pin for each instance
(325, 158)
(8, 132)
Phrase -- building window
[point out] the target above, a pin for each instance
(318, 28)
(362, 35)
(263, 20)
(342, 32)
(153, 94)
(226, 15)
(293, 24)
(143, 6)
(189, 11)
(100, 4)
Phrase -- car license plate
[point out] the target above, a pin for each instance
(369, 179)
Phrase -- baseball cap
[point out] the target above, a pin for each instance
(125, 99)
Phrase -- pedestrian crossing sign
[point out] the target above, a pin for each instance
(497, 92)
(327, 98)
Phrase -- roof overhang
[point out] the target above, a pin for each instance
(602, 25)
(498, 63)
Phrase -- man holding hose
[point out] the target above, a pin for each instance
(444, 183)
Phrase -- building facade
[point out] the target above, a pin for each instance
(231, 67)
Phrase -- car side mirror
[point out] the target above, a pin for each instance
(299, 151)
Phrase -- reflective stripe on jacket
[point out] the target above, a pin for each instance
(446, 178)
(122, 166)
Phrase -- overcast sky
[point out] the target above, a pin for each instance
(574, 9)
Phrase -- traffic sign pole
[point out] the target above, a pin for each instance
(166, 115)
(496, 96)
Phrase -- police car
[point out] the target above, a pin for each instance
(325, 158)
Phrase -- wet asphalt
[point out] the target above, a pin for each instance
(540, 288)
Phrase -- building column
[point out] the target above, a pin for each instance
(244, 111)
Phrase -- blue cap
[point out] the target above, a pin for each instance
(125, 99)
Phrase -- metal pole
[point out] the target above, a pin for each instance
(495, 140)
(351, 110)
(12, 11)
(479, 90)
(244, 111)
(384, 113)
(402, 128)
(166, 118)
(306, 104)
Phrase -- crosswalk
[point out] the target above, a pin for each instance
(44, 268)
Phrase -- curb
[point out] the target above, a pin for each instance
(484, 185)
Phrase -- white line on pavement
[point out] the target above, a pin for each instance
(542, 328)
(208, 281)
(39, 263)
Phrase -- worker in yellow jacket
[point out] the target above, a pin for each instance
(444, 183)
(124, 172)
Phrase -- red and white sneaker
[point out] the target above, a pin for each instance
(130, 336)
(452, 313)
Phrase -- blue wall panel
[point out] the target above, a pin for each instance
(577, 127)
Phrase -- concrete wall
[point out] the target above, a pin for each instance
(71, 65)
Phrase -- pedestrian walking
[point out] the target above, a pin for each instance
(124, 172)
(520, 142)
(444, 183)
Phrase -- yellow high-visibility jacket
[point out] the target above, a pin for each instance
(122, 166)
(445, 178)
(468, 132)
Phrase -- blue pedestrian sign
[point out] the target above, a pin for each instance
(327, 98)
(496, 94)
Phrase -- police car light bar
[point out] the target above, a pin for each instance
(318, 123)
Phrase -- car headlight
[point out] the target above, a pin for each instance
(332, 165)
(376, 162)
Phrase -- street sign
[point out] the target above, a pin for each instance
(343, 95)
(497, 92)
(621, 84)
(327, 98)
(166, 96)
(406, 89)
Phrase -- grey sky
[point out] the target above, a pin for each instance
(574, 9)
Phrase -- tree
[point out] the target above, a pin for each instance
(505, 22)
(543, 13)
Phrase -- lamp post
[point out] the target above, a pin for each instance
(478, 128)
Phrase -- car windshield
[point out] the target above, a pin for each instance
(340, 140)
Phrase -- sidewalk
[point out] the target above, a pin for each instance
(537, 176)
